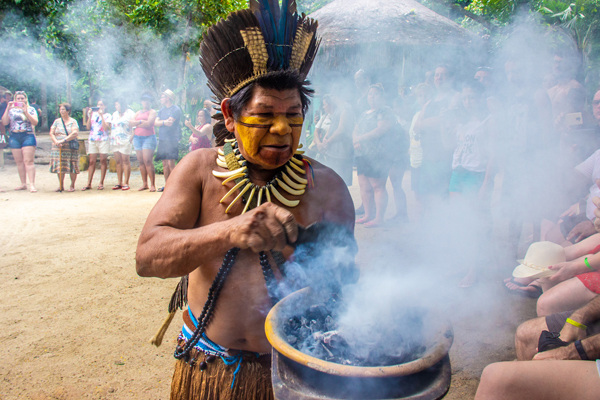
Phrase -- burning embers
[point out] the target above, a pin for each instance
(324, 331)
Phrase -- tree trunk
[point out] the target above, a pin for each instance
(68, 76)
(44, 94)
(183, 71)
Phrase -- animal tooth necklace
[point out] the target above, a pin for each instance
(287, 179)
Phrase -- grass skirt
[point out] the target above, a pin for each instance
(252, 382)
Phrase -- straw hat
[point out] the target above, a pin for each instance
(539, 257)
(169, 94)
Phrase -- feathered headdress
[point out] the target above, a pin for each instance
(251, 43)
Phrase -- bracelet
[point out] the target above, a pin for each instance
(587, 264)
(582, 354)
(576, 324)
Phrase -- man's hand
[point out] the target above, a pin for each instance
(562, 353)
(168, 122)
(570, 333)
(581, 231)
(267, 227)
(573, 210)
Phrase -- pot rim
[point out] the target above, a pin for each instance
(431, 357)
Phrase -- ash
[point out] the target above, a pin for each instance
(316, 332)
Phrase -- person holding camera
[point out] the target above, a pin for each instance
(22, 118)
(121, 137)
(65, 147)
(98, 123)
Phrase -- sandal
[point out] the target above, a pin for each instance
(100, 187)
(86, 188)
(162, 189)
(117, 187)
(532, 294)
(125, 187)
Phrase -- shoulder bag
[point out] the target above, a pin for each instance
(73, 143)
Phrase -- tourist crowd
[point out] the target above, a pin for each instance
(455, 138)
(146, 132)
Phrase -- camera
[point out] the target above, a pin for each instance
(18, 104)
(95, 109)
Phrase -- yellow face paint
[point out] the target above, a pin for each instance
(269, 141)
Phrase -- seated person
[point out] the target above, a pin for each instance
(575, 224)
(560, 373)
(575, 283)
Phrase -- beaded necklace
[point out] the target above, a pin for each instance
(231, 159)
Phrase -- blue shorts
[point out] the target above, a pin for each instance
(464, 181)
(144, 143)
(19, 140)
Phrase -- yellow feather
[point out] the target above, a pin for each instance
(297, 162)
(259, 199)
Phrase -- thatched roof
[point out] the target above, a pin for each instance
(405, 22)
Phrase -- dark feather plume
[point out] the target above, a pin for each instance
(251, 43)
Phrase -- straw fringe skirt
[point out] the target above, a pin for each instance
(252, 382)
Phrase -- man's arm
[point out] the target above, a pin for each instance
(170, 245)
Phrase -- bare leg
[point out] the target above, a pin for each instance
(103, 167)
(119, 161)
(381, 200)
(568, 295)
(73, 179)
(18, 156)
(126, 168)
(368, 200)
(539, 380)
(91, 169)
(1, 158)
(28, 156)
(143, 172)
(150, 168)
(168, 166)
(527, 337)
(396, 176)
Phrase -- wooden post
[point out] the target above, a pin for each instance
(44, 94)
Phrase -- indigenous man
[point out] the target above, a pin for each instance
(243, 201)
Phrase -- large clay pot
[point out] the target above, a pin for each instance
(300, 376)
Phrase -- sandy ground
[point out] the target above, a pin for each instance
(76, 318)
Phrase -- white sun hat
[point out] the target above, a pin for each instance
(539, 257)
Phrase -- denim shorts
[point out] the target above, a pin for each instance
(19, 140)
(144, 143)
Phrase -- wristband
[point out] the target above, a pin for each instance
(581, 350)
(576, 324)
(587, 264)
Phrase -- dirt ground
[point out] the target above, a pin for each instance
(77, 318)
